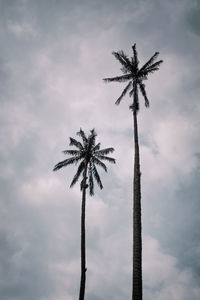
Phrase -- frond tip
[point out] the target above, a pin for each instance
(81, 133)
(122, 78)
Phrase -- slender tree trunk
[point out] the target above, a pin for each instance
(137, 227)
(83, 251)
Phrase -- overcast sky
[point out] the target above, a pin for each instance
(53, 56)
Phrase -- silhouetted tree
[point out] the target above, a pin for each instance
(135, 77)
(89, 155)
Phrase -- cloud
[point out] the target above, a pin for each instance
(162, 275)
(52, 61)
(21, 30)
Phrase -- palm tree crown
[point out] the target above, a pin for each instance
(89, 154)
(135, 76)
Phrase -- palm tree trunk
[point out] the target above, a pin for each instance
(137, 227)
(83, 251)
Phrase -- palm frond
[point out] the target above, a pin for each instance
(97, 177)
(122, 78)
(81, 133)
(154, 67)
(90, 180)
(143, 91)
(150, 61)
(92, 139)
(99, 163)
(97, 147)
(135, 58)
(104, 151)
(124, 60)
(78, 173)
(117, 102)
(142, 75)
(93, 132)
(66, 162)
(119, 58)
(72, 152)
(75, 143)
(110, 159)
(152, 70)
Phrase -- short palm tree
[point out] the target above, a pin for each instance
(135, 77)
(89, 155)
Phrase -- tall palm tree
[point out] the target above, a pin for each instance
(88, 154)
(135, 77)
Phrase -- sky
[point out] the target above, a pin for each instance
(53, 56)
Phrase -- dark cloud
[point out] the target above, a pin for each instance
(193, 18)
(185, 211)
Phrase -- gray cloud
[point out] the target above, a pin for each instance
(53, 57)
(192, 18)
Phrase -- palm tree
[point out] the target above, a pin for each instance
(88, 154)
(135, 77)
